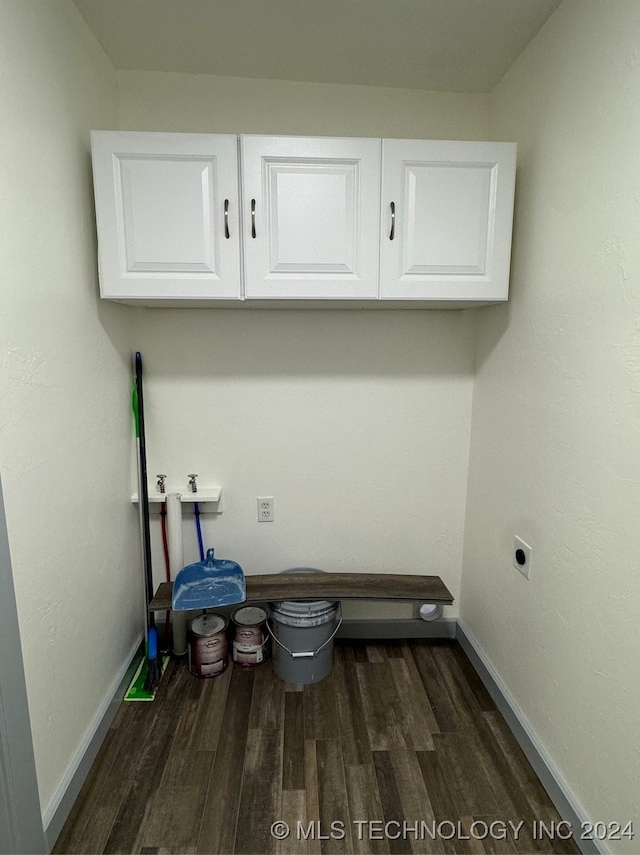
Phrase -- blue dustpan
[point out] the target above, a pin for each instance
(208, 584)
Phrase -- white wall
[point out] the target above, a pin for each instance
(555, 455)
(356, 422)
(201, 103)
(65, 424)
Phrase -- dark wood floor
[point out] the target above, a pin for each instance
(400, 733)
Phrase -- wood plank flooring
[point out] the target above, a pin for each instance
(399, 750)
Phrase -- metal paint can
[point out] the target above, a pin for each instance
(208, 649)
(250, 645)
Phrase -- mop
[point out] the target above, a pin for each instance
(147, 677)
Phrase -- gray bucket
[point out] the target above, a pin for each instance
(303, 634)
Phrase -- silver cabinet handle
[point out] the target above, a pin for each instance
(226, 219)
(393, 221)
(253, 218)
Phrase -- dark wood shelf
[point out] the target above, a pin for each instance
(332, 586)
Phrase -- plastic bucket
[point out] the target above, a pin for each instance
(250, 645)
(303, 633)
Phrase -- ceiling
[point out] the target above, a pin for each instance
(449, 45)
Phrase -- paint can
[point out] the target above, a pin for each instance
(250, 645)
(208, 647)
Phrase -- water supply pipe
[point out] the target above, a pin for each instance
(176, 563)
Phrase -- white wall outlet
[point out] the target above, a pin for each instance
(265, 509)
(522, 556)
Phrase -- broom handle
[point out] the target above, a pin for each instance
(144, 491)
(142, 547)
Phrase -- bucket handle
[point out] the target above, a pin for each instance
(306, 654)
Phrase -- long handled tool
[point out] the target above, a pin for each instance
(153, 658)
(166, 636)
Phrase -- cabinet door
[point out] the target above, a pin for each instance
(167, 215)
(311, 217)
(446, 223)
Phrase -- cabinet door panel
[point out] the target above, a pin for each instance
(316, 217)
(453, 211)
(312, 219)
(165, 205)
(180, 193)
(456, 226)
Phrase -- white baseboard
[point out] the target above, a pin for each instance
(565, 802)
(58, 809)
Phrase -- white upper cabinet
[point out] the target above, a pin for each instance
(446, 222)
(214, 219)
(167, 215)
(311, 214)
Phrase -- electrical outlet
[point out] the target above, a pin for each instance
(522, 556)
(265, 509)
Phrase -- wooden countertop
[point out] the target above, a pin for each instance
(332, 586)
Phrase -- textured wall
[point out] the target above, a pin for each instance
(65, 426)
(357, 422)
(152, 101)
(555, 454)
